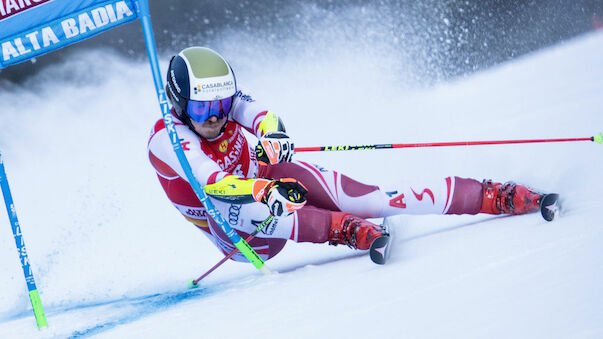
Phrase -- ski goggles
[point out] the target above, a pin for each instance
(200, 111)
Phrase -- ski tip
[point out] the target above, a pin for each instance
(379, 249)
(191, 284)
(549, 206)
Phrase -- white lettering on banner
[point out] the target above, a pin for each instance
(85, 23)
(100, 16)
(33, 38)
(9, 51)
(10, 5)
(70, 28)
(111, 13)
(48, 37)
(20, 47)
(121, 8)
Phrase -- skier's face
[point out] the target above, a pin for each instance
(211, 128)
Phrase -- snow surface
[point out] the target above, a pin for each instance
(112, 257)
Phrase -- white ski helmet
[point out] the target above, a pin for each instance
(200, 84)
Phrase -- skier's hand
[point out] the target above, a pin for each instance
(274, 147)
(284, 196)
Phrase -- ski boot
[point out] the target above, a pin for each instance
(509, 198)
(355, 232)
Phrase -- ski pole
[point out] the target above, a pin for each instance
(194, 283)
(170, 127)
(34, 295)
(597, 138)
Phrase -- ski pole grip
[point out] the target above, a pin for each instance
(598, 138)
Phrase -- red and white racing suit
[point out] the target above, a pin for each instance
(231, 154)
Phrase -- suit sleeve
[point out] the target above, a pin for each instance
(254, 117)
(205, 170)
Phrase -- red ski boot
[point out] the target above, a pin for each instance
(357, 233)
(509, 198)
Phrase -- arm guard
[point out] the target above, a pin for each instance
(271, 123)
(233, 189)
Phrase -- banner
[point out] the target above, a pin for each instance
(29, 28)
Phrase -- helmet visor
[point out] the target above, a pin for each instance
(200, 111)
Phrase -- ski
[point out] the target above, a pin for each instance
(381, 248)
(550, 206)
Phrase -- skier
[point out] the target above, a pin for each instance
(247, 184)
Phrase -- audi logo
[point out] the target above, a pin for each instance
(233, 214)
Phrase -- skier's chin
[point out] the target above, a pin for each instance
(210, 130)
(210, 135)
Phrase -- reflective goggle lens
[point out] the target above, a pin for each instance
(200, 111)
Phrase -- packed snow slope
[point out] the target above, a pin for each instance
(112, 256)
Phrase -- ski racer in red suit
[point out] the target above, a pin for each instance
(247, 183)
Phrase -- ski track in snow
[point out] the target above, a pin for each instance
(111, 257)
